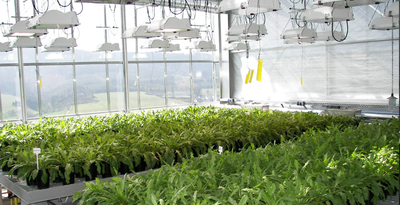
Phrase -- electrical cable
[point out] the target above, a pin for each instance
(64, 6)
(37, 10)
(333, 31)
(81, 8)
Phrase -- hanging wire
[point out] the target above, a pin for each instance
(373, 15)
(81, 8)
(37, 10)
(63, 6)
(148, 13)
(333, 31)
(173, 5)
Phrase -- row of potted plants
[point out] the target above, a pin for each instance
(354, 165)
(134, 142)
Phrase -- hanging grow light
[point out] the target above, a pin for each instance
(139, 32)
(27, 42)
(327, 36)
(344, 3)
(327, 14)
(108, 47)
(299, 41)
(171, 47)
(5, 47)
(184, 35)
(204, 46)
(231, 39)
(247, 29)
(171, 24)
(385, 23)
(248, 7)
(393, 10)
(237, 46)
(19, 29)
(54, 19)
(299, 33)
(157, 43)
(50, 49)
(62, 42)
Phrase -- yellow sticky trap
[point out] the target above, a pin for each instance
(259, 71)
(40, 82)
(247, 77)
(134, 84)
(251, 75)
(301, 80)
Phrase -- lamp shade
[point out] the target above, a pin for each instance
(327, 36)
(385, 23)
(62, 42)
(231, 39)
(205, 46)
(27, 42)
(299, 41)
(19, 29)
(247, 29)
(171, 24)
(326, 14)
(108, 47)
(139, 32)
(171, 47)
(54, 19)
(299, 33)
(393, 9)
(157, 43)
(344, 3)
(51, 49)
(247, 7)
(237, 46)
(5, 47)
(184, 35)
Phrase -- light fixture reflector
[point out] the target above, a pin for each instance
(247, 29)
(171, 24)
(385, 23)
(27, 42)
(5, 47)
(327, 14)
(299, 33)
(139, 32)
(54, 19)
(20, 29)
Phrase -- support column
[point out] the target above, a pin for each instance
(125, 58)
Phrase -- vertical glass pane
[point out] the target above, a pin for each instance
(202, 83)
(91, 88)
(116, 86)
(29, 55)
(57, 90)
(178, 83)
(133, 83)
(10, 93)
(217, 81)
(30, 84)
(152, 85)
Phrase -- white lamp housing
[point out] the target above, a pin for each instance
(327, 36)
(27, 42)
(108, 47)
(385, 23)
(231, 39)
(172, 47)
(62, 42)
(393, 10)
(299, 41)
(19, 29)
(247, 29)
(5, 47)
(299, 33)
(157, 43)
(237, 46)
(204, 46)
(184, 35)
(327, 14)
(50, 49)
(392, 102)
(247, 7)
(54, 19)
(350, 3)
(171, 24)
(139, 32)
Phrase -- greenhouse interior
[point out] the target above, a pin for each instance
(199, 102)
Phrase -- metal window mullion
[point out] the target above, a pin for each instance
(137, 65)
(125, 58)
(106, 61)
(1, 107)
(191, 76)
(220, 56)
(74, 72)
(165, 78)
(39, 81)
(21, 69)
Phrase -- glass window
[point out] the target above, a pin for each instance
(133, 83)
(10, 93)
(202, 83)
(217, 81)
(91, 88)
(57, 90)
(152, 85)
(116, 87)
(31, 94)
(178, 83)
